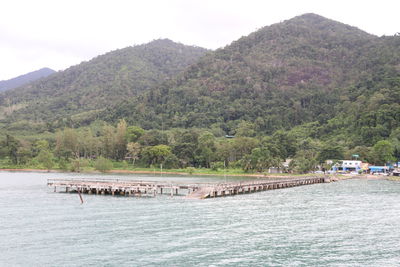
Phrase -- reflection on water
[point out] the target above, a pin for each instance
(352, 222)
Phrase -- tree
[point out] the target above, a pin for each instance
(102, 164)
(39, 146)
(133, 133)
(260, 160)
(185, 146)
(108, 141)
(382, 152)
(330, 151)
(133, 151)
(304, 161)
(67, 143)
(153, 138)
(11, 146)
(246, 129)
(120, 140)
(242, 146)
(285, 143)
(46, 158)
(156, 154)
(89, 144)
(205, 151)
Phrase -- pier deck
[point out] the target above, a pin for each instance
(190, 190)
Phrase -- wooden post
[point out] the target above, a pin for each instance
(79, 193)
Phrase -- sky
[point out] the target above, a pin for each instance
(60, 33)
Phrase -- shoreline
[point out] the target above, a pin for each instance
(254, 175)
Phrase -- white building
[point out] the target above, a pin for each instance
(348, 165)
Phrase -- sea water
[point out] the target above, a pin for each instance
(347, 223)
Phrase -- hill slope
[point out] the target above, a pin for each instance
(303, 70)
(107, 79)
(24, 79)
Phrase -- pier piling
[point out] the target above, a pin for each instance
(196, 190)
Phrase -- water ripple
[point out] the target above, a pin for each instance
(350, 223)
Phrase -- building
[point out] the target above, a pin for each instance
(348, 166)
(378, 169)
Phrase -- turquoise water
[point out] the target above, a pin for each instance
(348, 223)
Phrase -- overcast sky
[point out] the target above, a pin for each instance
(61, 33)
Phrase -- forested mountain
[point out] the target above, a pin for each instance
(24, 79)
(307, 89)
(84, 89)
(308, 69)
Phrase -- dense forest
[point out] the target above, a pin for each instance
(309, 89)
(77, 94)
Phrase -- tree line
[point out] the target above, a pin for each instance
(102, 144)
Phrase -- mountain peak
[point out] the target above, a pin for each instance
(25, 79)
(315, 21)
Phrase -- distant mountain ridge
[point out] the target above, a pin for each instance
(106, 79)
(25, 79)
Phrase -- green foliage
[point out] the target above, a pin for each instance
(76, 96)
(156, 154)
(260, 160)
(215, 166)
(190, 170)
(10, 147)
(308, 88)
(133, 151)
(382, 153)
(252, 86)
(63, 164)
(78, 164)
(247, 129)
(46, 158)
(171, 162)
(330, 151)
(305, 161)
(134, 133)
(102, 164)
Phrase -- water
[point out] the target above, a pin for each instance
(349, 223)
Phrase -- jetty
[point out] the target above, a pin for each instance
(125, 187)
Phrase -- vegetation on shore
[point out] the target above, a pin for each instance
(307, 89)
(103, 147)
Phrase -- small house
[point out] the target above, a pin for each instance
(348, 166)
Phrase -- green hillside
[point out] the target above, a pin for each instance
(307, 69)
(82, 90)
(309, 89)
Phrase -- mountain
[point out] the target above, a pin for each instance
(82, 90)
(308, 69)
(309, 76)
(24, 79)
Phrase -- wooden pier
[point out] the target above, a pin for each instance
(190, 190)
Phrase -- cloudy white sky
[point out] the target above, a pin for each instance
(61, 33)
